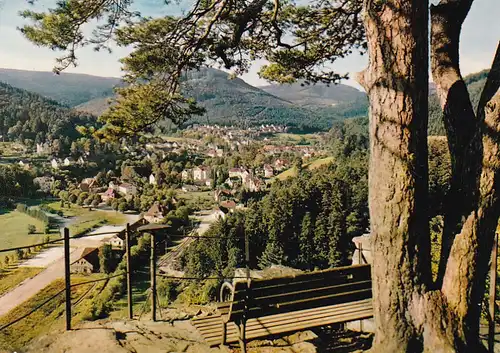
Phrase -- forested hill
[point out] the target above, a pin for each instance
(233, 101)
(29, 116)
(67, 89)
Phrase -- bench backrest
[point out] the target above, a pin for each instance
(305, 291)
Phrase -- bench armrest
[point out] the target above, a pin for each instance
(226, 296)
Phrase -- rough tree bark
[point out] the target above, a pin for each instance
(412, 313)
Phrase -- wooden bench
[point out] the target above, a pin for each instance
(263, 307)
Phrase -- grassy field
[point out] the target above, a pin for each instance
(10, 149)
(47, 318)
(85, 219)
(9, 280)
(14, 229)
(292, 172)
(201, 199)
(296, 138)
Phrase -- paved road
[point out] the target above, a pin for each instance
(53, 258)
(30, 287)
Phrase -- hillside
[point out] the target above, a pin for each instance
(25, 115)
(67, 89)
(233, 101)
(315, 95)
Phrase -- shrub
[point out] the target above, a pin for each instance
(31, 229)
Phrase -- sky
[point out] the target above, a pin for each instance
(480, 36)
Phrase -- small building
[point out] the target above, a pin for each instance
(152, 179)
(87, 263)
(268, 171)
(42, 148)
(228, 205)
(88, 184)
(109, 194)
(236, 172)
(156, 214)
(281, 164)
(201, 173)
(55, 163)
(117, 241)
(127, 189)
(68, 161)
(24, 164)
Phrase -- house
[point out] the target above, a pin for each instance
(68, 161)
(236, 172)
(55, 163)
(109, 194)
(186, 174)
(268, 171)
(228, 205)
(88, 184)
(281, 164)
(253, 184)
(127, 189)
(42, 148)
(117, 241)
(156, 214)
(201, 173)
(24, 164)
(219, 213)
(152, 179)
(87, 263)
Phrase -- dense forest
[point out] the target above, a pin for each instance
(15, 182)
(29, 118)
(308, 221)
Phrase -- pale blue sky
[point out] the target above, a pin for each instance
(480, 36)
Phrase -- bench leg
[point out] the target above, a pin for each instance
(242, 336)
(224, 334)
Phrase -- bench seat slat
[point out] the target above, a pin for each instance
(280, 319)
(281, 323)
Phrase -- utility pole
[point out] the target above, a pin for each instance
(129, 272)
(67, 278)
(153, 276)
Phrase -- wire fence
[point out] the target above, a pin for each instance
(124, 233)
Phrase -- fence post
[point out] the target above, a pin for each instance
(493, 292)
(129, 272)
(67, 278)
(153, 277)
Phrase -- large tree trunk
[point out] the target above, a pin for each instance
(397, 84)
(412, 313)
